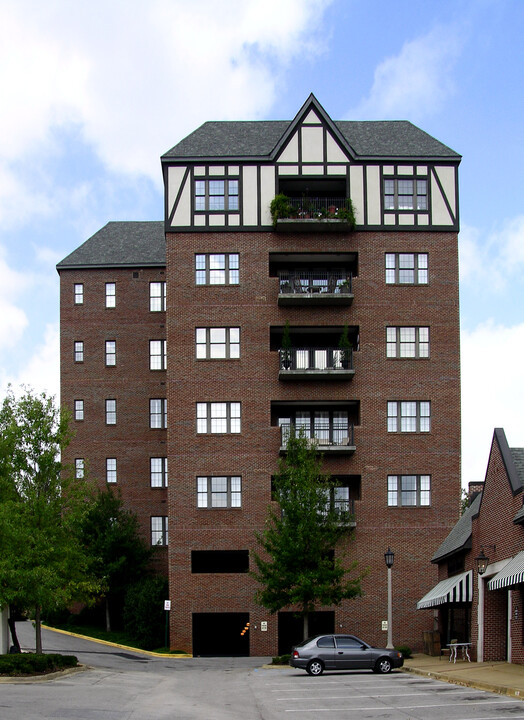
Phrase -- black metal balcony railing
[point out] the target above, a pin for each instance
(314, 207)
(321, 434)
(316, 359)
(314, 281)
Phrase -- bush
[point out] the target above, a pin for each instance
(405, 650)
(281, 660)
(33, 664)
(144, 615)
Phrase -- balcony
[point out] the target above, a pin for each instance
(329, 437)
(315, 287)
(316, 364)
(312, 214)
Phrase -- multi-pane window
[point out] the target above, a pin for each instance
(157, 296)
(159, 530)
(406, 268)
(325, 426)
(158, 413)
(158, 471)
(337, 499)
(409, 490)
(157, 354)
(110, 352)
(218, 417)
(79, 351)
(220, 491)
(79, 409)
(79, 293)
(111, 295)
(405, 194)
(409, 416)
(407, 342)
(79, 468)
(217, 343)
(216, 269)
(216, 194)
(110, 412)
(111, 470)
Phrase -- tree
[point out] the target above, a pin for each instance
(112, 536)
(42, 562)
(304, 563)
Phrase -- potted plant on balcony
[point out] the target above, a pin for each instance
(280, 208)
(344, 345)
(286, 359)
(347, 213)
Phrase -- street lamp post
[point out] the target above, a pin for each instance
(389, 557)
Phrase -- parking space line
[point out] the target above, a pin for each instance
(407, 707)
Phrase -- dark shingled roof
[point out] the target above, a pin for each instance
(383, 138)
(460, 536)
(121, 244)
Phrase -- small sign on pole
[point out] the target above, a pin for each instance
(385, 625)
(167, 604)
(263, 626)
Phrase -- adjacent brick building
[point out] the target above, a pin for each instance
(216, 407)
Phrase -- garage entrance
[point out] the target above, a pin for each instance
(219, 634)
(290, 628)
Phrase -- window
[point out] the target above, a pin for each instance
(159, 530)
(79, 351)
(157, 296)
(158, 413)
(406, 268)
(79, 293)
(157, 354)
(110, 412)
(337, 498)
(409, 416)
(326, 427)
(219, 492)
(111, 470)
(79, 468)
(216, 194)
(219, 561)
(217, 343)
(79, 409)
(158, 474)
(110, 295)
(407, 342)
(409, 490)
(218, 417)
(214, 269)
(110, 352)
(405, 194)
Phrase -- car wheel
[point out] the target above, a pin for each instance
(383, 665)
(315, 667)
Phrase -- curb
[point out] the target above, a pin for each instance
(477, 684)
(43, 678)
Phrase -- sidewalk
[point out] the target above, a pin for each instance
(499, 677)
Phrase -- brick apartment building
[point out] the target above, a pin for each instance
(216, 405)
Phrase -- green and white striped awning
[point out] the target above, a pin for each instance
(456, 589)
(511, 574)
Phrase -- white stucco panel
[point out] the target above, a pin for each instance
(233, 170)
(217, 220)
(200, 170)
(312, 144)
(389, 219)
(336, 169)
(423, 220)
(233, 220)
(407, 219)
(199, 220)
(288, 170)
(250, 194)
(312, 117)
(217, 170)
(334, 151)
(267, 192)
(290, 152)
(405, 170)
(373, 194)
(175, 177)
(312, 169)
(356, 190)
(182, 216)
(446, 175)
(439, 212)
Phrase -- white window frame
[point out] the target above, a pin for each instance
(409, 490)
(110, 353)
(78, 349)
(111, 411)
(79, 468)
(407, 269)
(409, 416)
(110, 294)
(158, 413)
(217, 268)
(78, 291)
(79, 409)
(407, 342)
(219, 417)
(219, 491)
(158, 354)
(159, 531)
(158, 472)
(111, 475)
(157, 296)
(217, 343)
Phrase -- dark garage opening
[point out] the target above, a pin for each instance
(219, 634)
(290, 628)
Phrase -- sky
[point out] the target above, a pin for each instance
(92, 94)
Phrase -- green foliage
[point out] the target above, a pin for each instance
(144, 615)
(280, 207)
(35, 664)
(347, 213)
(281, 659)
(345, 346)
(303, 564)
(405, 650)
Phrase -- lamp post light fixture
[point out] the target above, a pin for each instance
(389, 557)
(482, 562)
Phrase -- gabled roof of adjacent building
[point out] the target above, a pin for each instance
(121, 244)
(460, 536)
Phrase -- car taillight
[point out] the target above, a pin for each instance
(295, 654)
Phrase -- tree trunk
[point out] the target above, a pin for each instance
(306, 625)
(108, 617)
(38, 631)
(14, 636)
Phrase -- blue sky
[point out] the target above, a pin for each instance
(91, 94)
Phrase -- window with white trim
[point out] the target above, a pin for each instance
(157, 354)
(158, 472)
(406, 268)
(219, 491)
(216, 269)
(157, 296)
(218, 417)
(111, 470)
(407, 342)
(79, 351)
(79, 468)
(159, 530)
(405, 194)
(110, 295)
(409, 416)
(110, 352)
(216, 194)
(79, 293)
(158, 413)
(409, 490)
(111, 412)
(79, 409)
(221, 343)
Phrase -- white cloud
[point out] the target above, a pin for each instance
(416, 82)
(492, 392)
(13, 319)
(41, 372)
